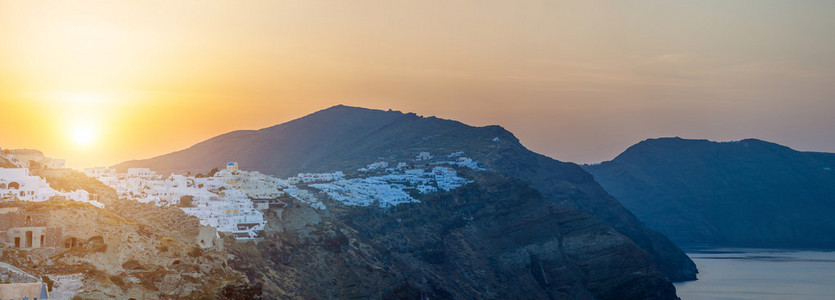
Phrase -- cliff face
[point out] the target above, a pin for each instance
(347, 138)
(494, 239)
(746, 193)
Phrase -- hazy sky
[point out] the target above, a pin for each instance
(98, 82)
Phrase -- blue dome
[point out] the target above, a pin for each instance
(230, 164)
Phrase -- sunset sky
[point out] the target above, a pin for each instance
(99, 82)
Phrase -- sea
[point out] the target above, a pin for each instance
(730, 273)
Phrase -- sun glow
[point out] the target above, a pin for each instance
(83, 135)
(79, 98)
(80, 114)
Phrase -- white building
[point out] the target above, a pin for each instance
(320, 177)
(256, 185)
(455, 154)
(232, 167)
(54, 163)
(424, 156)
(30, 158)
(17, 183)
(99, 171)
(144, 173)
(375, 166)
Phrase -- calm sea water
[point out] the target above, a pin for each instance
(761, 274)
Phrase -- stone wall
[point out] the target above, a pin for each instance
(34, 290)
(23, 219)
(28, 230)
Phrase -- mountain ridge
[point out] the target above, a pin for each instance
(347, 138)
(744, 193)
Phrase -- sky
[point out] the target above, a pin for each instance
(100, 82)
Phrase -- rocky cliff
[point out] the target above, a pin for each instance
(496, 238)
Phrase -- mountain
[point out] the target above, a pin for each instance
(495, 238)
(745, 193)
(347, 138)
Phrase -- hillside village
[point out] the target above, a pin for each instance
(228, 201)
(16, 181)
(232, 200)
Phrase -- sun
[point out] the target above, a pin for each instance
(83, 135)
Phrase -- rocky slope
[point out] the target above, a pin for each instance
(496, 238)
(745, 193)
(126, 250)
(347, 138)
(4, 163)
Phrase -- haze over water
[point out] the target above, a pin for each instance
(741, 274)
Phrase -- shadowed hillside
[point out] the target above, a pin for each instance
(747, 193)
(495, 238)
(347, 138)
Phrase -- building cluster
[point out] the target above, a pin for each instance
(223, 201)
(32, 159)
(374, 166)
(455, 159)
(392, 186)
(465, 162)
(423, 156)
(231, 200)
(316, 177)
(365, 192)
(19, 184)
